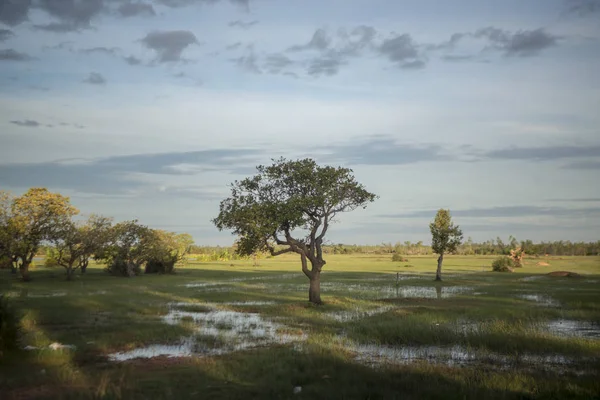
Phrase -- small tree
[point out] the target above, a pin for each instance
(445, 238)
(129, 247)
(288, 199)
(36, 216)
(77, 243)
(517, 255)
(167, 249)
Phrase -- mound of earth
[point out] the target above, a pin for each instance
(542, 264)
(566, 274)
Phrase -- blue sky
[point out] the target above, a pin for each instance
(148, 109)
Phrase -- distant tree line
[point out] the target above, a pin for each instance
(469, 247)
(43, 221)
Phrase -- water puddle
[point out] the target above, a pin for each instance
(467, 327)
(250, 303)
(541, 299)
(431, 292)
(53, 346)
(531, 278)
(45, 295)
(456, 356)
(346, 316)
(98, 293)
(217, 331)
(573, 328)
(266, 278)
(240, 279)
(379, 292)
(203, 284)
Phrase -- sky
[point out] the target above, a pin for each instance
(148, 109)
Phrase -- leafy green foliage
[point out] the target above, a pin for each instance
(286, 197)
(399, 258)
(445, 236)
(36, 216)
(503, 264)
(167, 249)
(132, 246)
(78, 242)
(264, 209)
(50, 260)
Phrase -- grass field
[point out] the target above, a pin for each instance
(233, 330)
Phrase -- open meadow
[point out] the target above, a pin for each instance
(235, 330)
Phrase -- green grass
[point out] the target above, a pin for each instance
(101, 314)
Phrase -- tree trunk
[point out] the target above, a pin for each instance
(84, 265)
(314, 291)
(24, 269)
(438, 274)
(70, 273)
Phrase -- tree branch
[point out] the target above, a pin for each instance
(323, 230)
(279, 252)
(305, 269)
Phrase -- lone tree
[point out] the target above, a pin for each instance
(445, 237)
(298, 198)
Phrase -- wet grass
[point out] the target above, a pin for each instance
(367, 304)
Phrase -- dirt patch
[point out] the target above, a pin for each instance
(564, 274)
(542, 264)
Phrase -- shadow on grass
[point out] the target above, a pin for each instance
(273, 373)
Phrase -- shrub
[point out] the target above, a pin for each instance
(408, 266)
(120, 267)
(503, 264)
(160, 267)
(399, 258)
(50, 259)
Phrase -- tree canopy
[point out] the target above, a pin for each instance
(36, 216)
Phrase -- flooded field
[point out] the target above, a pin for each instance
(217, 328)
(460, 356)
(573, 328)
(216, 331)
(540, 299)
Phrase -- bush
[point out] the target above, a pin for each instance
(399, 258)
(408, 266)
(503, 264)
(50, 259)
(9, 327)
(120, 267)
(160, 267)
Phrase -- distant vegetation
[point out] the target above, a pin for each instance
(407, 248)
(43, 222)
(503, 264)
